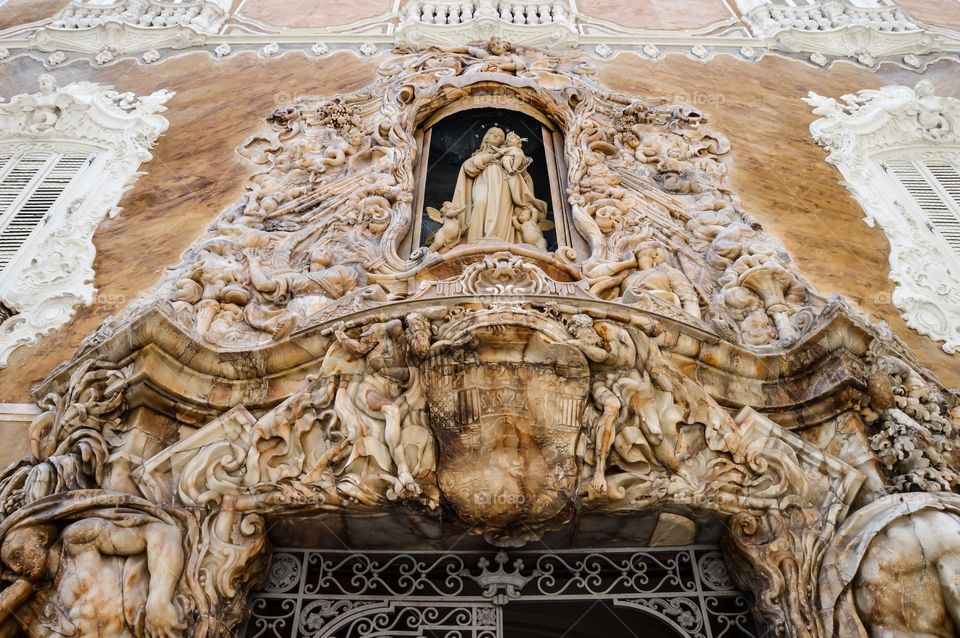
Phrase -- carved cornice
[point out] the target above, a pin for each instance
(120, 129)
(836, 31)
(856, 131)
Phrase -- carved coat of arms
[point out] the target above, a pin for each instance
(505, 403)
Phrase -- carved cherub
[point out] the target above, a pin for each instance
(528, 223)
(43, 108)
(335, 152)
(930, 111)
(513, 158)
(453, 226)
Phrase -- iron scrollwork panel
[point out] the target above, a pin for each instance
(320, 594)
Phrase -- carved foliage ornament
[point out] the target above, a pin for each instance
(507, 388)
(119, 129)
(857, 131)
(321, 228)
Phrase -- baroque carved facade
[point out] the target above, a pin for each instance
(308, 357)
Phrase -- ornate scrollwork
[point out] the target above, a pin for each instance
(300, 362)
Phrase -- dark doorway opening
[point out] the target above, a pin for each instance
(581, 619)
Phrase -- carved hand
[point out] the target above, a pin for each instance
(163, 619)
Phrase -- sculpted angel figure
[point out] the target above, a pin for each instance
(43, 108)
(296, 295)
(931, 111)
(335, 152)
(453, 226)
(497, 56)
(530, 227)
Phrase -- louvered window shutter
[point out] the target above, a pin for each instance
(31, 185)
(935, 187)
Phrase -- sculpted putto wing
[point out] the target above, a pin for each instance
(434, 214)
(545, 224)
(19, 104)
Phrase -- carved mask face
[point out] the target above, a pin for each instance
(497, 46)
(355, 137)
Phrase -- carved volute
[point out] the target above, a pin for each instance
(311, 355)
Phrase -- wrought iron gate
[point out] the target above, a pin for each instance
(462, 594)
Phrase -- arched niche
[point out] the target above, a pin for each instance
(447, 135)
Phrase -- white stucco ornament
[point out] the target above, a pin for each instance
(859, 131)
(118, 130)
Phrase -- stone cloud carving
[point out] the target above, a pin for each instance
(303, 359)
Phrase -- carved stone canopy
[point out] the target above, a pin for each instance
(301, 364)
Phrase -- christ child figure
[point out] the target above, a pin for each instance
(512, 159)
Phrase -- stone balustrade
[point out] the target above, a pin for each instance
(203, 15)
(768, 19)
(519, 12)
(546, 23)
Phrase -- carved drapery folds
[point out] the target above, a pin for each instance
(299, 361)
(117, 130)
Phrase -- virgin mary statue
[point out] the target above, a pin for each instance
(491, 195)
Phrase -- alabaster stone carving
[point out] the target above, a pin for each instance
(494, 186)
(914, 428)
(328, 212)
(306, 359)
(111, 575)
(893, 569)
